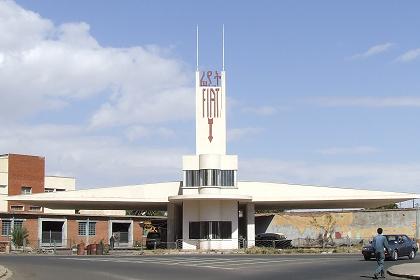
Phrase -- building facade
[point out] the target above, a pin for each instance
(25, 175)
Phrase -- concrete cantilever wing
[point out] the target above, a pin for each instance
(148, 196)
(263, 195)
(288, 196)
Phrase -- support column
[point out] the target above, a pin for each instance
(171, 220)
(250, 224)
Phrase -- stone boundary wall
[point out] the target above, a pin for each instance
(360, 224)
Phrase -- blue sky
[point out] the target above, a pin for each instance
(320, 92)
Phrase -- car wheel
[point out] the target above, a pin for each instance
(412, 254)
(394, 255)
(366, 258)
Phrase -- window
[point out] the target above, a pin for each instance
(194, 230)
(91, 230)
(209, 177)
(26, 190)
(17, 224)
(82, 228)
(35, 208)
(228, 178)
(48, 190)
(210, 230)
(225, 230)
(192, 178)
(6, 227)
(16, 207)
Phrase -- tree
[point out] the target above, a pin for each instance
(327, 227)
(270, 211)
(19, 236)
(145, 213)
(388, 206)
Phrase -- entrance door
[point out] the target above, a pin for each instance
(121, 233)
(52, 233)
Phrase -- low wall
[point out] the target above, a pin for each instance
(348, 224)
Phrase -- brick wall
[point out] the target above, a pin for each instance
(101, 230)
(137, 232)
(25, 171)
(31, 224)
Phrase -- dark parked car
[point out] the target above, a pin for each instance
(273, 240)
(399, 246)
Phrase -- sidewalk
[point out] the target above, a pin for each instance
(4, 273)
(407, 270)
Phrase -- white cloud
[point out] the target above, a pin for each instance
(20, 28)
(409, 55)
(358, 150)
(46, 65)
(236, 134)
(366, 101)
(374, 50)
(95, 160)
(398, 177)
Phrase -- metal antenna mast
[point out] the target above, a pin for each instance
(223, 47)
(197, 47)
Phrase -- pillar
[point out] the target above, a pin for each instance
(171, 220)
(250, 224)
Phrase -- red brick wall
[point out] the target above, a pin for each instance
(137, 232)
(25, 171)
(101, 230)
(31, 224)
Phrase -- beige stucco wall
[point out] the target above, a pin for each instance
(103, 212)
(56, 182)
(4, 168)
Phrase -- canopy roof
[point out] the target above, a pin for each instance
(264, 195)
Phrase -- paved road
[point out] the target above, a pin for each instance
(183, 267)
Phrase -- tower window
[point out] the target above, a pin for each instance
(209, 177)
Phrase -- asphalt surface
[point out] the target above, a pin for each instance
(183, 267)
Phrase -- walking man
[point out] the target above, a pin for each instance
(380, 244)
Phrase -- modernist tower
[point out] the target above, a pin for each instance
(209, 207)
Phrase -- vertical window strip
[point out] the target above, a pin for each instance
(92, 228)
(82, 228)
(6, 227)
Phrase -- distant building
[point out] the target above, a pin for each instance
(25, 175)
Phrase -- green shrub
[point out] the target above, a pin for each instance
(19, 234)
